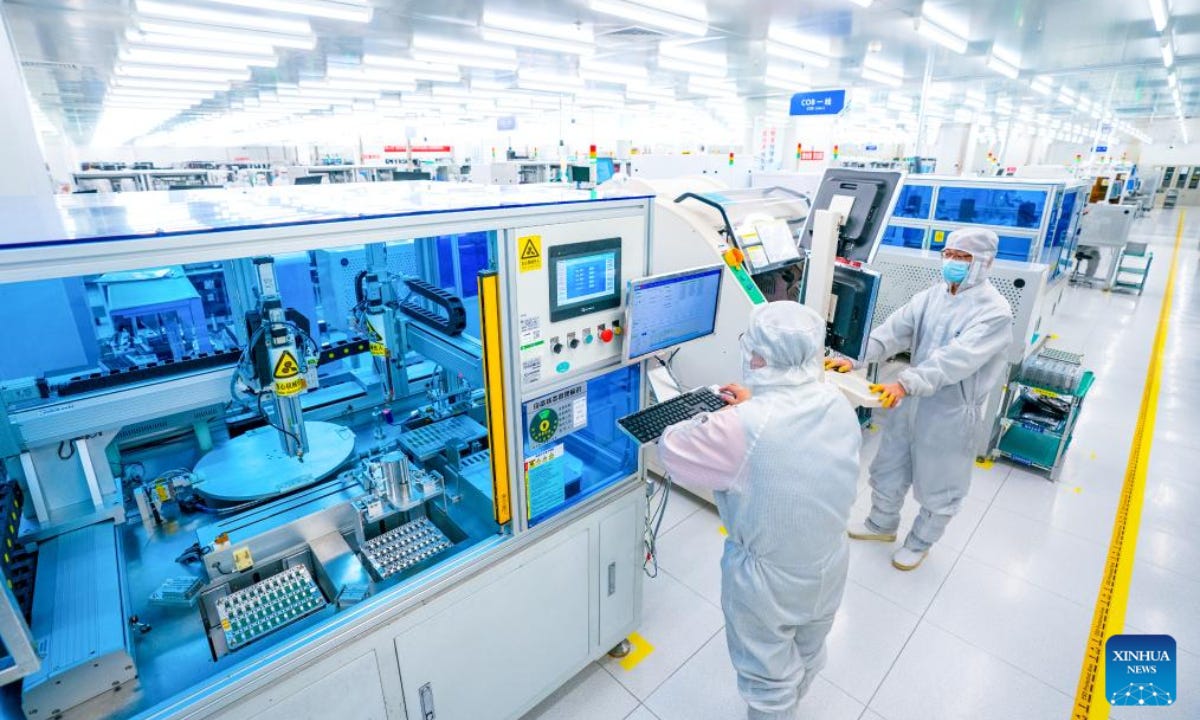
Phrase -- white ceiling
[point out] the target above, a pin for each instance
(1107, 51)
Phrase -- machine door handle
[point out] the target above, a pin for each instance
(426, 693)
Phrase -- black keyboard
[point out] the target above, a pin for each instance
(648, 425)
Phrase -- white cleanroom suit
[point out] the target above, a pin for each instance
(957, 343)
(784, 466)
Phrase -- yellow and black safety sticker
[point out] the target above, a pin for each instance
(286, 366)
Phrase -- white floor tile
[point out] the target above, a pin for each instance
(1049, 558)
(691, 552)
(1161, 601)
(641, 713)
(870, 714)
(941, 676)
(591, 695)
(676, 622)
(871, 567)
(1034, 629)
(1178, 553)
(1077, 509)
(706, 689)
(866, 637)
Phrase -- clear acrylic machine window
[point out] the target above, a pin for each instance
(572, 446)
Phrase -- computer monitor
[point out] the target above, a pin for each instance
(663, 311)
(866, 198)
(408, 175)
(580, 173)
(604, 170)
(852, 310)
(309, 180)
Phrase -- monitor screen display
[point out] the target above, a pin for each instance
(668, 310)
(581, 173)
(584, 278)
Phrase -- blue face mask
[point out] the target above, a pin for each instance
(955, 271)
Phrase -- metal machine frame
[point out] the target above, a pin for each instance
(1055, 191)
(558, 594)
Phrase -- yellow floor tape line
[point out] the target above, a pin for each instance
(640, 650)
(1112, 600)
(985, 464)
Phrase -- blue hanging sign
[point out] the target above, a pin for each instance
(1101, 148)
(871, 148)
(821, 102)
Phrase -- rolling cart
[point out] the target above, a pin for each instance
(1043, 406)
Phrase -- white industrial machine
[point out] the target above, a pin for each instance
(775, 244)
(287, 452)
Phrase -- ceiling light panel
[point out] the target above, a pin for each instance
(538, 42)
(186, 58)
(220, 18)
(881, 77)
(686, 17)
(1158, 12)
(236, 38)
(166, 73)
(328, 9)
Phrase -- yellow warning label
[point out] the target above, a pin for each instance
(242, 560)
(531, 252)
(377, 347)
(939, 237)
(225, 624)
(285, 388)
(286, 366)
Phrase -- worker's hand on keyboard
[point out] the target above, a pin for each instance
(889, 395)
(840, 364)
(734, 394)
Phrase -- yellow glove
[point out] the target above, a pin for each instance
(889, 395)
(841, 365)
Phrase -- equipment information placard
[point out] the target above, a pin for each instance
(556, 415)
(545, 481)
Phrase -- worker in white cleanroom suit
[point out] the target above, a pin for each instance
(783, 464)
(957, 333)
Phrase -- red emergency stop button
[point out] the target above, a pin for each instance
(606, 335)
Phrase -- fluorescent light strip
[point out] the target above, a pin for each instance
(522, 40)
(613, 70)
(877, 64)
(692, 54)
(183, 58)
(155, 71)
(155, 84)
(676, 65)
(1158, 11)
(157, 41)
(236, 38)
(220, 18)
(790, 52)
(348, 11)
(528, 26)
(1168, 52)
(482, 63)
(371, 61)
(1006, 69)
(941, 35)
(468, 50)
(1042, 86)
(690, 21)
(881, 77)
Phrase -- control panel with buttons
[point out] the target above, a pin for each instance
(571, 299)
